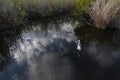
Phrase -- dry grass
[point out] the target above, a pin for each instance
(102, 12)
(46, 7)
(8, 13)
(13, 11)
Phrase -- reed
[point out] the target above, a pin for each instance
(46, 7)
(14, 11)
(102, 12)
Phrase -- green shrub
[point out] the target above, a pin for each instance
(81, 6)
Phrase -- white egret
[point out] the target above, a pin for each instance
(79, 45)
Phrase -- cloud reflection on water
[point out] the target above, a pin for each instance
(40, 53)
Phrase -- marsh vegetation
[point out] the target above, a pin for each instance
(39, 39)
(14, 11)
(100, 12)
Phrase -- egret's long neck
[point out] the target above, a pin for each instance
(78, 42)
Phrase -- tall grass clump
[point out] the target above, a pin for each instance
(15, 11)
(102, 12)
(10, 13)
(47, 7)
(6, 12)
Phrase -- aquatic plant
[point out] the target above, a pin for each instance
(102, 12)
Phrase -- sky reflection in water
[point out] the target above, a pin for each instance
(38, 55)
(47, 51)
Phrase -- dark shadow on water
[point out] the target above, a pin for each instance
(100, 53)
(4, 53)
(8, 36)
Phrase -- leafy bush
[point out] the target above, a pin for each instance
(81, 6)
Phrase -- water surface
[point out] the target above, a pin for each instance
(46, 50)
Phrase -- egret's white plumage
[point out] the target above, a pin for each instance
(79, 45)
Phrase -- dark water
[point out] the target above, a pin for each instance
(46, 50)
